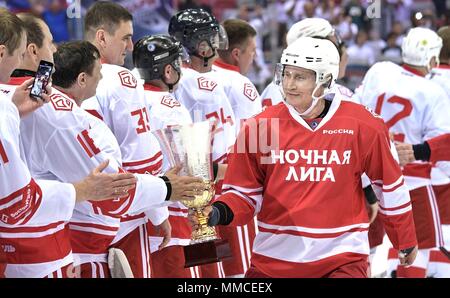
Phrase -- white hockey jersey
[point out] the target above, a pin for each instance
(205, 98)
(120, 103)
(272, 94)
(412, 107)
(242, 94)
(164, 111)
(441, 75)
(34, 236)
(64, 142)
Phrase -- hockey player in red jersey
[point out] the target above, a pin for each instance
(33, 213)
(414, 111)
(306, 187)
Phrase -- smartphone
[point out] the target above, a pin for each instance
(43, 75)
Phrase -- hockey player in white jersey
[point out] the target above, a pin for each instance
(439, 265)
(232, 66)
(203, 94)
(158, 61)
(86, 142)
(312, 27)
(120, 103)
(441, 73)
(414, 110)
(33, 213)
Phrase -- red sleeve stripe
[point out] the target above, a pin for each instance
(395, 188)
(83, 144)
(247, 198)
(255, 193)
(389, 187)
(3, 153)
(142, 162)
(92, 225)
(95, 114)
(395, 208)
(38, 229)
(24, 209)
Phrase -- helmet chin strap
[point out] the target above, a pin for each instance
(205, 59)
(170, 86)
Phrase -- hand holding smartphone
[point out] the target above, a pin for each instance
(41, 80)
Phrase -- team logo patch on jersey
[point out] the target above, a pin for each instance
(127, 79)
(169, 101)
(206, 84)
(250, 91)
(61, 103)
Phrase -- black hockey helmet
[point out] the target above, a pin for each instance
(152, 53)
(192, 26)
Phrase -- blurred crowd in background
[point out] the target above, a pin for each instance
(372, 29)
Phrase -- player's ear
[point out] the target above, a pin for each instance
(235, 53)
(2, 51)
(168, 69)
(81, 79)
(100, 37)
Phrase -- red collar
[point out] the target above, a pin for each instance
(414, 71)
(150, 87)
(444, 66)
(17, 80)
(220, 63)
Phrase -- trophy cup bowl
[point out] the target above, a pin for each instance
(189, 146)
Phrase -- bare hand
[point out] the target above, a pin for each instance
(164, 230)
(100, 186)
(408, 259)
(184, 188)
(24, 103)
(405, 153)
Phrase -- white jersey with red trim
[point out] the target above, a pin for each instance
(34, 238)
(441, 75)
(272, 96)
(120, 103)
(303, 229)
(205, 98)
(412, 108)
(242, 94)
(64, 142)
(165, 110)
(440, 174)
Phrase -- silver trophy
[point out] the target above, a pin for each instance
(189, 146)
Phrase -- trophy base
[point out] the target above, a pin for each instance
(206, 253)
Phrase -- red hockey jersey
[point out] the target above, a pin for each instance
(305, 187)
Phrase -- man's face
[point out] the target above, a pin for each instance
(298, 85)
(92, 80)
(118, 44)
(11, 61)
(247, 55)
(48, 48)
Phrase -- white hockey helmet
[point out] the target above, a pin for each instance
(309, 27)
(318, 55)
(419, 46)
